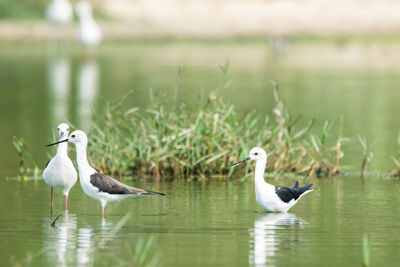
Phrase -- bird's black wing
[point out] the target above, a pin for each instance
(109, 185)
(287, 194)
(47, 164)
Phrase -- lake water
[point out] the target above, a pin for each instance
(214, 222)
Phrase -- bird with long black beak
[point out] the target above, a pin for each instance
(273, 198)
(60, 171)
(97, 185)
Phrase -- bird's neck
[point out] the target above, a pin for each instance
(260, 169)
(81, 159)
(62, 149)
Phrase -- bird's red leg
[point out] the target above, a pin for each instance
(103, 213)
(51, 201)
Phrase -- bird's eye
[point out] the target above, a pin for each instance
(256, 153)
(73, 136)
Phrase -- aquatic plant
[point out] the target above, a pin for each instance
(177, 141)
(301, 151)
(142, 252)
(27, 163)
(368, 155)
(366, 251)
(396, 159)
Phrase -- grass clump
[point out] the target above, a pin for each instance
(368, 155)
(27, 164)
(179, 142)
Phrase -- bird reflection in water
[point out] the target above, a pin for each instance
(60, 243)
(58, 69)
(88, 79)
(267, 234)
(66, 244)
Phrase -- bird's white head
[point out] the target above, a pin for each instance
(63, 130)
(78, 137)
(257, 153)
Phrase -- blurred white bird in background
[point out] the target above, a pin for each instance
(59, 12)
(89, 33)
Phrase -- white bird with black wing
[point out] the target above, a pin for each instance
(97, 185)
(60, 171)
(273, 198)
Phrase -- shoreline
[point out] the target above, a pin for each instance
(191, 19)
(40, 30)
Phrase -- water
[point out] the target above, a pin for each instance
(210, 222)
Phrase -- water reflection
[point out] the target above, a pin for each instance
(89, 240)
(58, 69)
(265, 238)
(84, 246)
(88, 79)
(60, 243)
(66, 244)
(60, 90)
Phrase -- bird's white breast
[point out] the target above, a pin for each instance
(60, 173)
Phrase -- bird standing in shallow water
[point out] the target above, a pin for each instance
(89, 33)
(60, 171)
(59, 12)
(97, 185)
(269, 197)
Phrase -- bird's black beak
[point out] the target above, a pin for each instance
(246, 159)
(62, 141)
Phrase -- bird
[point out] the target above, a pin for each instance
(273, 198)
(95, 184)
(60, 171)
(59, 12)
(89, 33)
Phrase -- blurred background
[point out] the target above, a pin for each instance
(64, 60)
(59, 61)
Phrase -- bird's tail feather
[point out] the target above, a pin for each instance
(305, 188)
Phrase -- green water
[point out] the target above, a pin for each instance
(213, 222)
